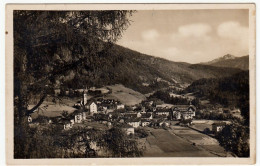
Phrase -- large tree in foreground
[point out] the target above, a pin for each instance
(48, 44)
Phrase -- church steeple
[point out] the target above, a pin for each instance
(85, 100)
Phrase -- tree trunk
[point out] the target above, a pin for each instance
(21, 127)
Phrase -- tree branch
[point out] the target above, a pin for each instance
(37, 105)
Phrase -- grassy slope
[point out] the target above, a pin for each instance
(125, 95)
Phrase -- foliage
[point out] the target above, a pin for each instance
(186, 121)
(120, 145)
(230, 91)
(235, 138)
(74, 143)
(48, 45)
(65, 114)
(42, 119)
(44, 54)
(165, 96)
(142, 133)
(212, 115)
(207, 131)
(54, 143)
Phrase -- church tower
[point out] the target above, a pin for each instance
(85, 97)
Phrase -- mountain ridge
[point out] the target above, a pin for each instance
(230, 61)
(141, 72)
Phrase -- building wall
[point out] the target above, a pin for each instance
(93, 108)
(78, 118)
(130, 131)
(121, 106)
(84, 115)
(85, 100)
(134, 124)
(145, 124)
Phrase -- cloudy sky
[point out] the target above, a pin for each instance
(188, 35)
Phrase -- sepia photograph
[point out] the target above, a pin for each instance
(143, 82)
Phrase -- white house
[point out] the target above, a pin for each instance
(162, 112)
(72, 121)
(67, 125)
(138, 115)
(78, 116)
(93, 108)
(217, 127)
(177, 115)
(184, 111)
(120, 106)
(134, 122)
(145, 123)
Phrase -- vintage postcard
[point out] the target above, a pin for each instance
(139, 84)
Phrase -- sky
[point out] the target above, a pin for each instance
(191, 36)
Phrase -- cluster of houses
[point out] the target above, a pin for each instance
(111, 112)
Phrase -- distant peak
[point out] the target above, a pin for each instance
(220, 59)
(228, 56)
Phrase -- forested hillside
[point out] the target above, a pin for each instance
(139, 71)
(229, 91)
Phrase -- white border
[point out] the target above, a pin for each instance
(2, 60)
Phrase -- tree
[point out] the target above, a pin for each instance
(206, 131)
(235, 138)
(49, 44)
(65, 114)
(120, 145)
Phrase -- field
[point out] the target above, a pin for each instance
(181, 142)
(50, 108)
(125, 95)
(203, 124)
(162, 143)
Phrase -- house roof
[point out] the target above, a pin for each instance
(146, 115)
(161, 116)
(91, 101)
(162, 110)
(126, 126)
(133, 120)
(130, 115)
(144, 120)
(76, 112)
(219, 123)
(183, 107)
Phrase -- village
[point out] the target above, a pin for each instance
(106, 113)
(160, 129)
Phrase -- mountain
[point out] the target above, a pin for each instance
(140, 72)
(221, 59)
(230, 61)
